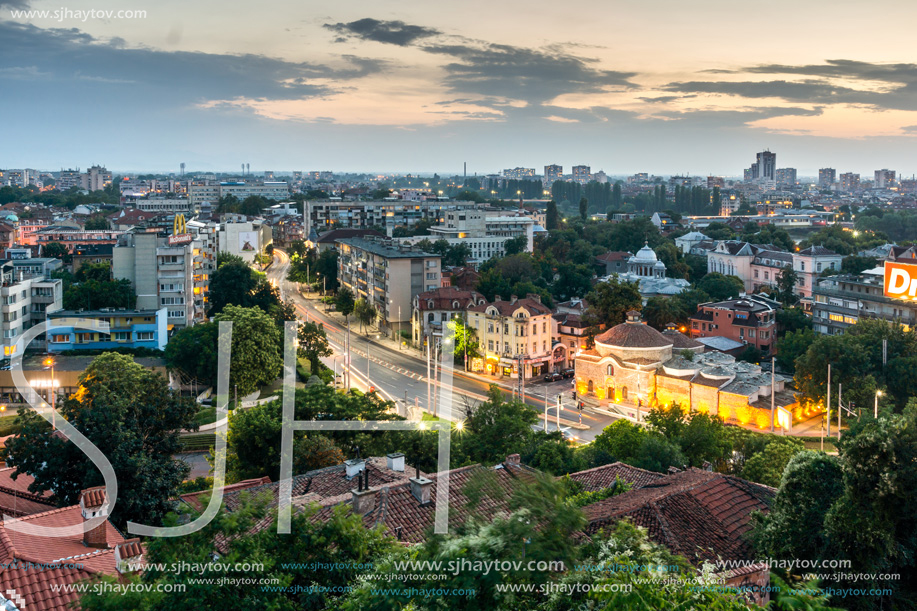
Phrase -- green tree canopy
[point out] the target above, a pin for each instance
(256, 348)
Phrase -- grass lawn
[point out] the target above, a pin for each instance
(207, 415)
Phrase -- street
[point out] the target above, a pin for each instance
(401, 375)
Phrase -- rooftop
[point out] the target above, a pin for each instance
(387, 249)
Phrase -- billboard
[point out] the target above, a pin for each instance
(248, 241)
(900, 280)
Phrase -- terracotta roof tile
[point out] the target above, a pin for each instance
(633, 335)
(93, 497)
(603, 477)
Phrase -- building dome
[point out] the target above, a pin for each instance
(645, 255)
(632, 334)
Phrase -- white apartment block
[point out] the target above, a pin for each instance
(484, 232)
(164, 205)
(95, 178)
(322, 215)
(27, 294)
(211, 191)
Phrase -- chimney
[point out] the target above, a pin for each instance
(497, 298)
(534, 297)
(395, 461)
(513, 299)
(94, 504)
(513, 459)
(354, 466)
(420, 488)
(128, 556)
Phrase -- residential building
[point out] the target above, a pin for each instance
(27, 295)
(734, 258)
(786, 176)
(614, 262)
(171, 276)
(827, 177)
(514, 333)
(26, 230)
(841, 301)
(70, 560)
(809, 264)
(766, 166)
(633, 368)
(484, 232)
(885, 179)
(750, 319)
(157, 205)
(767, 266)
(688, 241)
(716, 181)
(243, 238)
(128, 329)
(69, 179)
(97, 253)
(95, 178)
(582, 174)
(211, 191)
(431, 310)
(519, 174)
(571, 333)
(662, 221)
(552, 173)
(323, 215)
(201, 191)
(75, 238)
(388, 275)
(600, 176)
(328, 240)
(850, 182)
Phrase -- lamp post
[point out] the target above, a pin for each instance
(878, 394)
(49, 362)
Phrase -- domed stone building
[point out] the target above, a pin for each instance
(648, 271)
(633, 367)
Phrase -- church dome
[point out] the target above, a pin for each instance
(645, 255)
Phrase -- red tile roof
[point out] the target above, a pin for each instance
(633, 335)
(506, 308)
(93, 497)
(698, 514)
(444, 298)
(198, 500)
(15, 498)
(605, 476)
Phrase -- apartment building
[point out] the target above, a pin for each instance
(850, 182)
(388, 275)
(171, 205)
(68, 179)
(431, 310)
(321, 215)
(27, 295)
(827, 177)
(127, 329)
(514, 333)
(171, 276)
(552, 173)
(238, 236)
(749, 319)
(884, 179)
(808, 264)
(211, 191)
(95, 178)
(841, 301)
(75, 238)
(582, 174)
(486, 233)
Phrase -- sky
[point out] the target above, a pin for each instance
(660, 86)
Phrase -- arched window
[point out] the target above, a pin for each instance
(431, 317)
(430, 304)
(624, 392)
(610, 371)
(591, 386)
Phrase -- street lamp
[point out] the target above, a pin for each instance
(878, 394)
(49, 362)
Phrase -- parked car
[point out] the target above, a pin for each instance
(568, 373)
(552, 377)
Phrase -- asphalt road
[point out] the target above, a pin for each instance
(401, 375)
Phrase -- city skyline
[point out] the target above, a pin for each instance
(422, 89)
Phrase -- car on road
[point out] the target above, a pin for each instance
(552, 377)
(568, 373)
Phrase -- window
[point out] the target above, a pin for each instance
(756, 273)
(767, 275)
(60, 339)
(610, 370)
(490, 344)
(144, 335)
(176, 313)
(121, 336)
(802, 266)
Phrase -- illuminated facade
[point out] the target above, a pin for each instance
(514, 331)
(634, 367)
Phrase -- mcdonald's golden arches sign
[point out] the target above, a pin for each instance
(180, 233)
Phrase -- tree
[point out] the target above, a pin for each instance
(256, 348)
(57, 251)
(583, 208)
(192, 351)
(610, 301)
(344, 302)
(466, 341)
(552, 219)
(496, 428)
(751, 354)
(786, 286)
(619, 441)
(132, 416)
(766, 467)
(616, 198)
(793, 345)
(94, 223)
(720, 287)
(231, 284)
(326, 266)
(793, 319)
(364, 312)
(514, 246)
(660, 311)
(312, 344)
(94, 294)
(100, 272)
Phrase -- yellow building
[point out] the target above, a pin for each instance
(634, 367)
(513, 332)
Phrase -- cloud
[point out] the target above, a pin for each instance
(910, 129)
(389, 32)
(176, 77)
(14, 4)
(534, 75)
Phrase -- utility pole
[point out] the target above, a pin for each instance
(400, 341)
(772, 394)
(839, 388)
(560, 403)
(429, 393)
(828, 400)
(545, 428)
